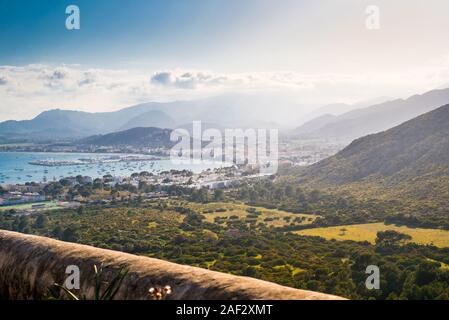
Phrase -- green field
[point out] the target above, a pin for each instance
(162, 229)
(368, 232)
(28, 206)
(227, 211)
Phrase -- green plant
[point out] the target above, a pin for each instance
(110, 291)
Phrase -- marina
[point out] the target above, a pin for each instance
(93, 160)
(25, 167)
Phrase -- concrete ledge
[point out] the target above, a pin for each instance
(30, 265)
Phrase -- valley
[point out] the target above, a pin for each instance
(226, 213)
(223, 150)
(328, 212)
(183, 234)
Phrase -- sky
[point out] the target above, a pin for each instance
(128, 52)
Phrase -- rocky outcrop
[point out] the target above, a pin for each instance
(30, 265)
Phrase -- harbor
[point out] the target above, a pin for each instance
(27, 167)
(94, 160)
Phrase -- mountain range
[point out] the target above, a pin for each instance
(360, 122)
(412, 157)
(57, 124)
(337, 109)
(141, 137)
(227, 111)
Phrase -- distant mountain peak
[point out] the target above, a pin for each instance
(140, 137)
(414, 148)
(378, 117)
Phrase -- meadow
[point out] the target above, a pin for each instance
(172, 231)
(223, 212)
(368, 232)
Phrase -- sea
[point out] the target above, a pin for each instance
(15, 167)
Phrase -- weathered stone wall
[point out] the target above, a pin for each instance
(29, 265)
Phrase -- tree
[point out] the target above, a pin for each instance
(70, 234)
(342, 203)
(218, 195)
(54, 189)
(390, 240)
(289, 191)
(85, 191)
(79, 178)
(80, 210)
(142, 186)
(426, 273)
(300, 196)
(98, 184)
(24, 223)
(65, 182)
(57, 232)
(315, 196)
(41, 221)
(201, 195)
(72, 193)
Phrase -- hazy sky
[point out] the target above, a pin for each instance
(318, 51)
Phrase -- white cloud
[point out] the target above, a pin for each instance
(189, 79)
(28, 90)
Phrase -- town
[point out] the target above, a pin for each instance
(74, 191)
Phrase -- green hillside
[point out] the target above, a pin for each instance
(414, 149)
